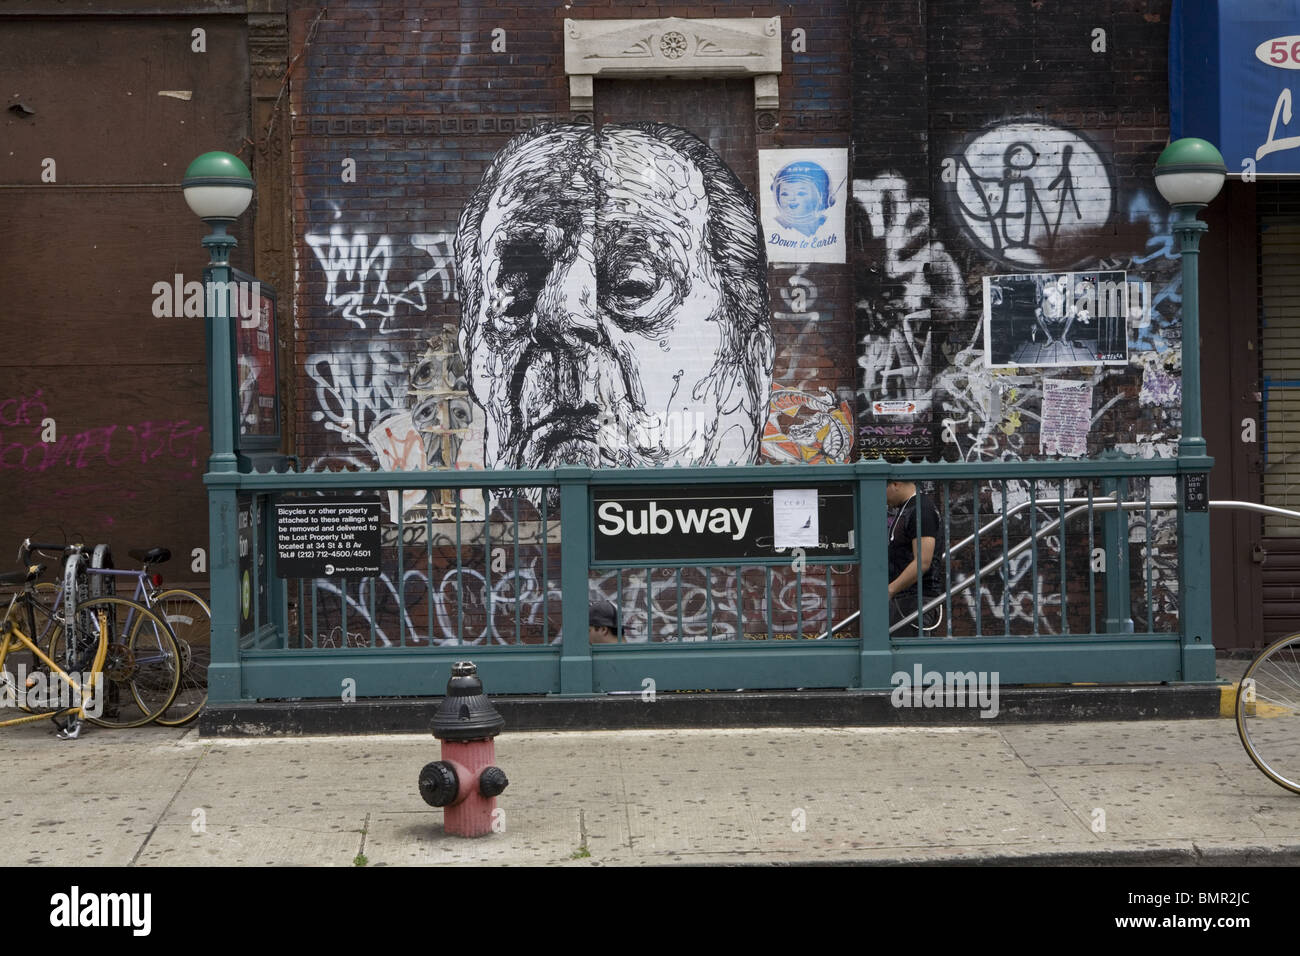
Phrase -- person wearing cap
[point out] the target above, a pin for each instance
(602, 623)
(915, 537)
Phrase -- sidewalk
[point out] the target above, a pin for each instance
(1095, 793)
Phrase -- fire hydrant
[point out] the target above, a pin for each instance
(465, 782)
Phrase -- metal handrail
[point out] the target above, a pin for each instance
(1106, 503)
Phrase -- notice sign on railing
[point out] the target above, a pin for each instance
(327, 537)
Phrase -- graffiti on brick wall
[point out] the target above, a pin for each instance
(914, 280)
(28, 444)
(1154, 302)
(362, 398)
(1032, 194)
(614, 306)
(359, 281)
(805, 422)
(799, 296)
(355, 389)
(377, 407)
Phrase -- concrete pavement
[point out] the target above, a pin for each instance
(1178, 791)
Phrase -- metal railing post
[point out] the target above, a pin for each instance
(1194, 614)
(876, 659)
(225, 683)
(575, 564)
(1114, 524)
(1193, 466)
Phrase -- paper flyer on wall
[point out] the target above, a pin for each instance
(794, 518)
(1056, 319)
(803, 195)
(1067, 416)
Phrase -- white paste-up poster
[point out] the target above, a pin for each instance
(1057, 318)
(803, 194)
(1067, 415)
(794, 517)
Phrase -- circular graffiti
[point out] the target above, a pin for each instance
(1032, 194)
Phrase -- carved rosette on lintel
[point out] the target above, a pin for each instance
(673, 48)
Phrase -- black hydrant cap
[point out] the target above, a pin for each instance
(466, 713)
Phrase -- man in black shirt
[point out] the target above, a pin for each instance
(915, 537)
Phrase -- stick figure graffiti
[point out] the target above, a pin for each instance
(614, 302)
(1023, 191)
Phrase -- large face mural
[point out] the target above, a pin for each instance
(614, 302)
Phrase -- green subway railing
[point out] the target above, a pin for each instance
(500, 566)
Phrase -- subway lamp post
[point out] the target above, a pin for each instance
(218, 188)
(1189, 174)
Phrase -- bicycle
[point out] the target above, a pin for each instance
(111, 661)
(187, 614)
(1268, 708)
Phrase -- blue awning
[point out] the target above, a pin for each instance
(1234, 79)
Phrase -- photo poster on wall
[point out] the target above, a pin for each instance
(1055, 319)
(803, 194)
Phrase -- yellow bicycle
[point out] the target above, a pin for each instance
(111, 661)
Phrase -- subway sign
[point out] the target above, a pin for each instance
(668, 524)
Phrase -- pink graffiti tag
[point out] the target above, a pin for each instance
(144, 443)
(21, 410)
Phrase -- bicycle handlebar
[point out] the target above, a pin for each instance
(28, 546)
(33, 546)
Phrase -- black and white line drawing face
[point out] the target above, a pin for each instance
(614, 305)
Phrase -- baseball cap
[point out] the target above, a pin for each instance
(603, 614)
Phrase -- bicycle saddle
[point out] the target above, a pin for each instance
(152, 556)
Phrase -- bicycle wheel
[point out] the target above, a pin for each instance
(1268, 712)
(141, 664)
(191, 622)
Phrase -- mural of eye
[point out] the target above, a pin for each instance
(427, 414)
(635, 285)
(423, 375)
(520, 279)
(638, 291)
(461, 413)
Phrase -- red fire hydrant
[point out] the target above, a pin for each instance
(464, 781)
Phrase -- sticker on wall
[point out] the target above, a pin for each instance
(803, 194)
(1067, 413)
(1051, 319)
(896, 406)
